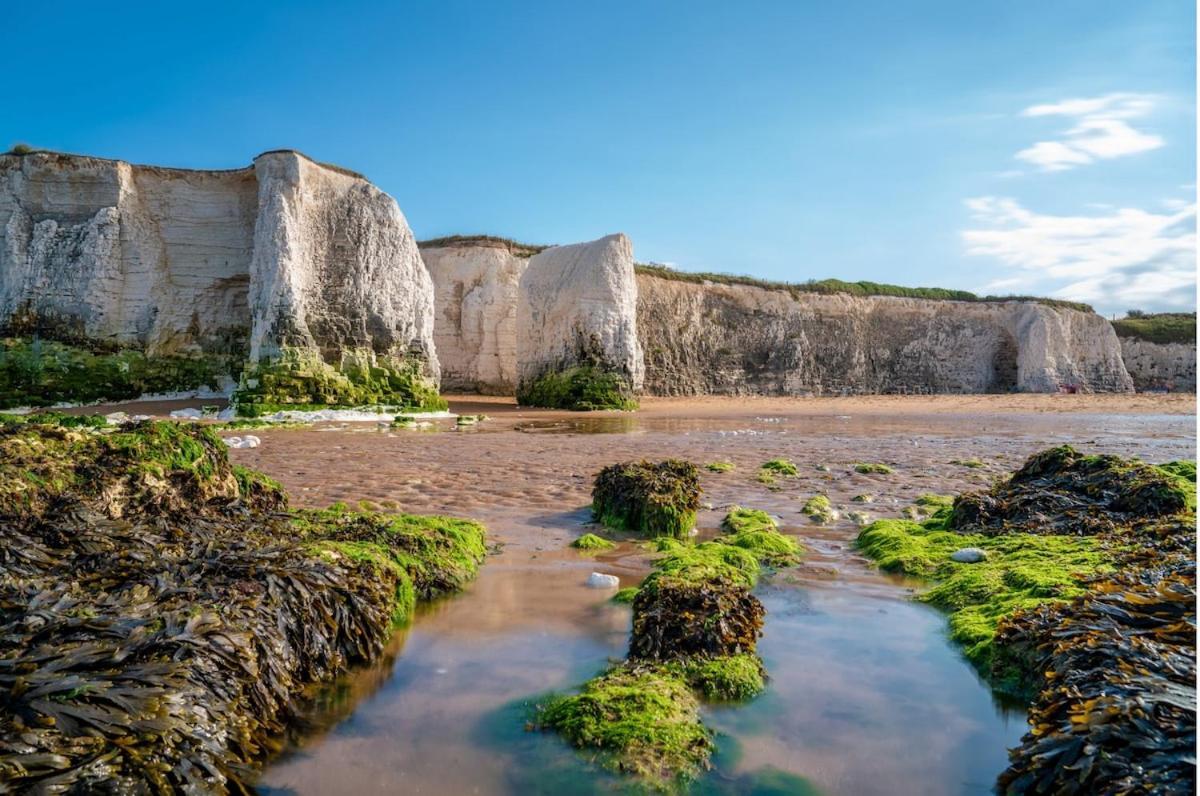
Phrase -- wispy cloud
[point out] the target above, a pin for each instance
(1124, 258)
(1101, 131)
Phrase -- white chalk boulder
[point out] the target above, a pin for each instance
(598, 580)
(969, 555)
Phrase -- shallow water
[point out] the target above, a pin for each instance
(866, 694)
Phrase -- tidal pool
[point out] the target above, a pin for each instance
(866, 694)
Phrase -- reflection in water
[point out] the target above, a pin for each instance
(866, 694)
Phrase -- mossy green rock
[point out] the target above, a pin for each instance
(300, 380)
(581, 389)
(648, 498)
(643, 721)
(590, 541)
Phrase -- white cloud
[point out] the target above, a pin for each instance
(1124, 258)
(1101, 131)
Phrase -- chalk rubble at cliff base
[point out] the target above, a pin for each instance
(1085, 601)
(695, 631)
(163, 611)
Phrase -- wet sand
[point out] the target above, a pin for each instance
(867, 696)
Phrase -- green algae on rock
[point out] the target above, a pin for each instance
(642, 721)
(590, 541)
(779, 467)
(180, 611)
(819, 509)
(868, 468)
(41, 372)
(695, 628)
(719, 467)
(581, 389)
(649, 498)
(299, 379)
(1086, 602)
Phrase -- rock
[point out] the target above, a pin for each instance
(598, 580)
(578, 307)
(189, 414)
(699, 340)
(968, 555)
(860, 518)
(228, 266)
(475, 288)
(1156, 366)
(248, 441)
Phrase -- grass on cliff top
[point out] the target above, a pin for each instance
(828, 286)
(1020, 571)
(1162, 327)
(516, 248)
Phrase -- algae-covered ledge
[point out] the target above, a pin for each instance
(166, 610)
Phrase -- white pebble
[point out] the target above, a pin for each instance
(598, 580)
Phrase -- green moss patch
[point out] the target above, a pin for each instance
(732, 678)
(648, 498)
(1021, 571)
(757, 532)
(867, 468)
(779, 467)
(440, 554)
(639, 721)
(581, 389)
(719, 467)
(972, 463)
(625, 596)
(590, 541)
(300, 380)
(36, 372)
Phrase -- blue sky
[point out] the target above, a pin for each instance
(1001, 147)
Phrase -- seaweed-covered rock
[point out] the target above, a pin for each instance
(1061, 490)
(1086, 601)
(650, 498)
(161, 616)
(643, 720)
(147, 467)
(1118, 711)
(677, 618)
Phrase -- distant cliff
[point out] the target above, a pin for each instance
(737, 339)
(1160, 350)
(304, 278)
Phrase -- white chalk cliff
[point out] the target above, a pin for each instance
(288, 253)
(475, 288)
(577, 305)
(736, 339)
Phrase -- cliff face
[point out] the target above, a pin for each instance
(475, 288)
(1157, 366)
(289, 260)
(577, 306)
(128, 255)
(737, 339)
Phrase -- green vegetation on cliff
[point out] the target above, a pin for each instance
(38, 372)
(849, 288)
(1162, 327)
(580, 389)
(301, 380)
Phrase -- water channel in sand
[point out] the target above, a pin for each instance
(866, 694)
